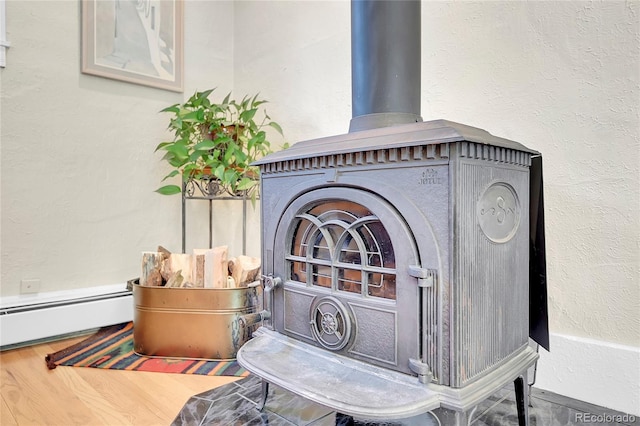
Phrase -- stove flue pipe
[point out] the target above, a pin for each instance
(385, 63)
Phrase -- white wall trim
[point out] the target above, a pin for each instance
(601, 373)
(27, 318)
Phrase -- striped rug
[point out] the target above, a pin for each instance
(112, 348)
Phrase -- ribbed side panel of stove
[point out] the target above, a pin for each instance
(489, 310)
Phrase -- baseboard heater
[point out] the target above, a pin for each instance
(24, 321)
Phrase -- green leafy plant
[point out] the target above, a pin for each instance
(217, 141)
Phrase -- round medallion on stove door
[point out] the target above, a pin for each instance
(499, 212)
(330, 323)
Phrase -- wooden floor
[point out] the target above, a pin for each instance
(34, 395)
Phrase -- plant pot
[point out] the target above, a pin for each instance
(231, 130)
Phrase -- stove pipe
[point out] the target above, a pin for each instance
(385, 63)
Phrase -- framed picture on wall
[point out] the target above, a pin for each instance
(138, 41)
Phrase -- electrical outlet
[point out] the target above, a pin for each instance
(29, 286)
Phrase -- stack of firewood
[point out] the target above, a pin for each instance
(206, 268)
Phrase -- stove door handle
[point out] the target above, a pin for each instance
(248, 320)
(269, 283)
(422, 369)
(426, 277)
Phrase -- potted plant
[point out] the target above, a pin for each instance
(217, 142)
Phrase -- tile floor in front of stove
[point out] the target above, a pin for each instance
(236, 404)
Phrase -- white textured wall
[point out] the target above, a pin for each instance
(562, 78)
(78, 167)
(297, 54)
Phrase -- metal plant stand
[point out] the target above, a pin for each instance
(208, 188)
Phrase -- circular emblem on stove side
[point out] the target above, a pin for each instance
(499, 212)
(330, 323)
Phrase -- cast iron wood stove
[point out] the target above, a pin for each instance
(396, 262)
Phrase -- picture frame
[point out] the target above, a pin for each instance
(137, 41)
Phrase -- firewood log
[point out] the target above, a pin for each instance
(181, 262)
(198, 272)
(245, 269)
(151, 265)
(175, 280)
(164, 252)
(219, 267)
(215, 266)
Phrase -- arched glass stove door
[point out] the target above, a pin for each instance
(345, 257)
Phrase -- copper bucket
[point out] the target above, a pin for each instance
(192, 322)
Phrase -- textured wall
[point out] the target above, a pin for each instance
(78, 167)
(297, 53)
(562, 78)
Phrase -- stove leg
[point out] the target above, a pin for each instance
(264, 393)
(522, 399)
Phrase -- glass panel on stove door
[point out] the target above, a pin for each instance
(345, 240)
(298, 271)
(350, 280)
(321, 275)
(302, 230)
(302, 227)
(322, 247)
(349, 252)
(379, 248)
(381, 285)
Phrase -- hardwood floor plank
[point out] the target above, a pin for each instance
(74, 382)
(171, 393)
(33, 395)
(6, 418)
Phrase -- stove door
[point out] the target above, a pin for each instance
(347, 262)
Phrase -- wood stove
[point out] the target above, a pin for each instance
(395, 258)
(405, 249)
